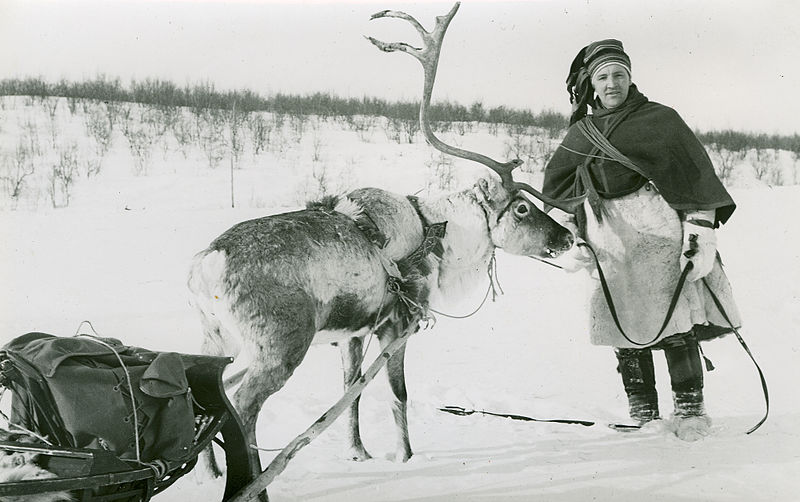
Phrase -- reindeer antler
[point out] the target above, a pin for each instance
(428, 55)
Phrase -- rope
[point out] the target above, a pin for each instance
(492, 272)
(584, 154)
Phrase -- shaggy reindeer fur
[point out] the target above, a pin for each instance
(22, 466)
(268, 288)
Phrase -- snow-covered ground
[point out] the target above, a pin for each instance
(118, 257)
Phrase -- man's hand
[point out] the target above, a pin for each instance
(699, 244)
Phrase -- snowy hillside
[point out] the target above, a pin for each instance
(116, 252)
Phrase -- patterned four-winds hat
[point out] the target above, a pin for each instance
(598, 55)
(590, 59)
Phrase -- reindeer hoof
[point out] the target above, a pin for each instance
(403, 456)
(359, 455)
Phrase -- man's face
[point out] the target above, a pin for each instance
(611, 84)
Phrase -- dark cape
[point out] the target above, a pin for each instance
(658, 141)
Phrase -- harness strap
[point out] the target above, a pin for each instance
(673, 302)
(746, 349)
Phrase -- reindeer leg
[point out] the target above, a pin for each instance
(351, 351)
(275, 345)
(395, 369)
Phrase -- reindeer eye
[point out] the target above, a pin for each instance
(522, 209)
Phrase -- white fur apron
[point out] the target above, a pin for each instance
(638, 243)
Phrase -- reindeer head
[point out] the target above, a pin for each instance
(515, 224)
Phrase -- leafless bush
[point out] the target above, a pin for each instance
(442, 126)
(30, 134)
(16, 170)
(462, 127)
(541, 150)
(158, 120)
(93, 166)
(322, 178)
(363, 125)
(51, 105)
(298, 123)
(766, 167)
(98, 128)
(278, 119)
(235, 121)
(441, 175)
(62, 176)
(185, 133)
(115, 111)
(727, 160)
(260, 132)
(72, 104)
(519, 145)
(140, 142)
(394, 130)
(211, 133)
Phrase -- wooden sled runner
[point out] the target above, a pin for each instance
(97, 474)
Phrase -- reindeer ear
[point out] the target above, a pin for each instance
(483, 190)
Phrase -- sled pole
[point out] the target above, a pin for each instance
(279, 463)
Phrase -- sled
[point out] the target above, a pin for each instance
(90, 474)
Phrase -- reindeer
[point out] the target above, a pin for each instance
(269, 288)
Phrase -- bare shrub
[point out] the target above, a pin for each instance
(51, 105)
(140, 143)
(114, 112)
(461, 127)
(30, 134)
(16, 169)
(394, 130)
(72, 104)
(185, 133)
(727, 160)
(158, 120)
(93, 166)
(317, 145)
(766, 167)
(62, 176)
(235, 121)
(441, 175)
(363, 125)
(519, 145)
(260, 132)
(320, 173)
(298, 123)
(542, 149)
(211, 134)
(99, 129)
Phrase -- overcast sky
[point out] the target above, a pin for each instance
(720, 63)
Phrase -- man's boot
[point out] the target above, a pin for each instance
(686, 375)
(639, 380)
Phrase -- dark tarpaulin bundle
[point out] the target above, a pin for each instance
(86, 386)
